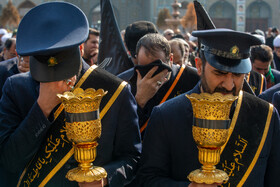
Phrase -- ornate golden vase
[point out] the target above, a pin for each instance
(210, 132)
(83, 128)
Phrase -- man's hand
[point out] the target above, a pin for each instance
(23, 64)
(100, 183)
(48, 99)
(94, 56)
(148, 86)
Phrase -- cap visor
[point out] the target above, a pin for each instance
(229, 65)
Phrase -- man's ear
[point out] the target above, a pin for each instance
(82, 49)
(170, 59)
(199, 66)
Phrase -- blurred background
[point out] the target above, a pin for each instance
(242, 15)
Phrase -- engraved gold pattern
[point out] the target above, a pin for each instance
(211, 106)
(209, 137)
(82, 101)
(209, 141)
(86, 131)
(84, 134)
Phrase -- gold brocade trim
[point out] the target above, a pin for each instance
(261, 84)
(85, 76)
(57, 167)
(250, 168)
(234, 119)
(113, 98)
(78, 85)
(58, 111)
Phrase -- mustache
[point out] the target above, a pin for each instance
(224, 90)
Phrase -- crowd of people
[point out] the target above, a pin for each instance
(146, 137)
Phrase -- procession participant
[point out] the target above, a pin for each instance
(91, 47)
(33, 144)
(168, 33)
(156, 79)
(261, 57)
(9, 49)
(169, 151)
(256, 81)
(276, 100)
(178, 51)
(11, 67)
(276, 53)
(133, 33)
(267, 95)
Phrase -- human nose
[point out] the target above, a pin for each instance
(228, 82)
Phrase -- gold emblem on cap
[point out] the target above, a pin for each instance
(52, 61)
(234, 50)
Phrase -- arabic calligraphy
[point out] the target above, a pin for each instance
(52, 146)
(232, 167)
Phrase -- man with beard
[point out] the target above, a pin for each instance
(34, 147)
(169, 151)
(91, 47)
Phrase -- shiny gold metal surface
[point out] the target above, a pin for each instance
(84, 133)
(210, 132)
(209, 137)
(214, 106)
(81, 101)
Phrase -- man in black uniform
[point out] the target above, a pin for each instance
(170, 79)
(256, 81)
(261, 58)
(33, 144)
(251, 156)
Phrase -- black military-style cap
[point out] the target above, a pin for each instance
(135, 31)
(51, 34)
(227, 50)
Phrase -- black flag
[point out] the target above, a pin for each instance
(112, 53)
(203, 19)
